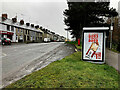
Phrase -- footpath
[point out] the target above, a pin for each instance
(113, 59)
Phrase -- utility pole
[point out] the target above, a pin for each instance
(111, 28)
(47, 33)
(67, 36)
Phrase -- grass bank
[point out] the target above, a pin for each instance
(76, 44)
(70, 72)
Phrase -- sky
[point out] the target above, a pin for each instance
(46, 13)
(114, 3)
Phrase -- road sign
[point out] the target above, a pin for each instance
(111, 27)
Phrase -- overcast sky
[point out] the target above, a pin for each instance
(46, 13)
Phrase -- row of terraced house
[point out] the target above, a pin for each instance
(21, 32)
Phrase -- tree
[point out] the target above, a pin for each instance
(118, 47)
(84, 14)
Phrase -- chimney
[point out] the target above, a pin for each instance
(4, 17)
(37, 26)
(32, 25)
(27, 24)
(21, 22)
(14, 20)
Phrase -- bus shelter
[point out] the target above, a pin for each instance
(93, 44)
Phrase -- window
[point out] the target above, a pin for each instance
(31, 38)
(21, 30)
(8, 27)
(26, 31)
(12, 28)
(40, 34)
(21, 37)
(18, 30)
(28, 38)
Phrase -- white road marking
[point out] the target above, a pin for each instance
(3, 54)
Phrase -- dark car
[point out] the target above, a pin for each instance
(5, 41)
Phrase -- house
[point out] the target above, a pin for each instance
(21, 32)
(46, 34)
(18, 31)
(7, 29)
(55, 37)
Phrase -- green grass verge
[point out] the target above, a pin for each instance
(79, 47)
(76, 44)
(70, 72)
(114, 50)
(72, 42)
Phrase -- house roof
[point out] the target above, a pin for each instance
(17, 24)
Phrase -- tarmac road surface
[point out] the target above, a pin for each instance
(22, 59)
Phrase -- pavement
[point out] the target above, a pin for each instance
(21, 60)
(113, 59)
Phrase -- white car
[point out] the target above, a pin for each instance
(46, 39)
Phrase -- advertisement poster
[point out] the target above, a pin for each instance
(93, 46)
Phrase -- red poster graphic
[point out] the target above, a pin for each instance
(92, 50)
(93, 46)
(93, 38)
(98, 55)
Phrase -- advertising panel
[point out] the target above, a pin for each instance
(93, 46)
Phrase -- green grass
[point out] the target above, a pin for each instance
(76, 44)
(114, 47)
(79, 47)
(72, 42)
(70, 72)
(114, 50)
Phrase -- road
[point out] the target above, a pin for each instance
(20, 60)
(19, 55)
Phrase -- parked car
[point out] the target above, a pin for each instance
(46, 39)
(5, 41)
